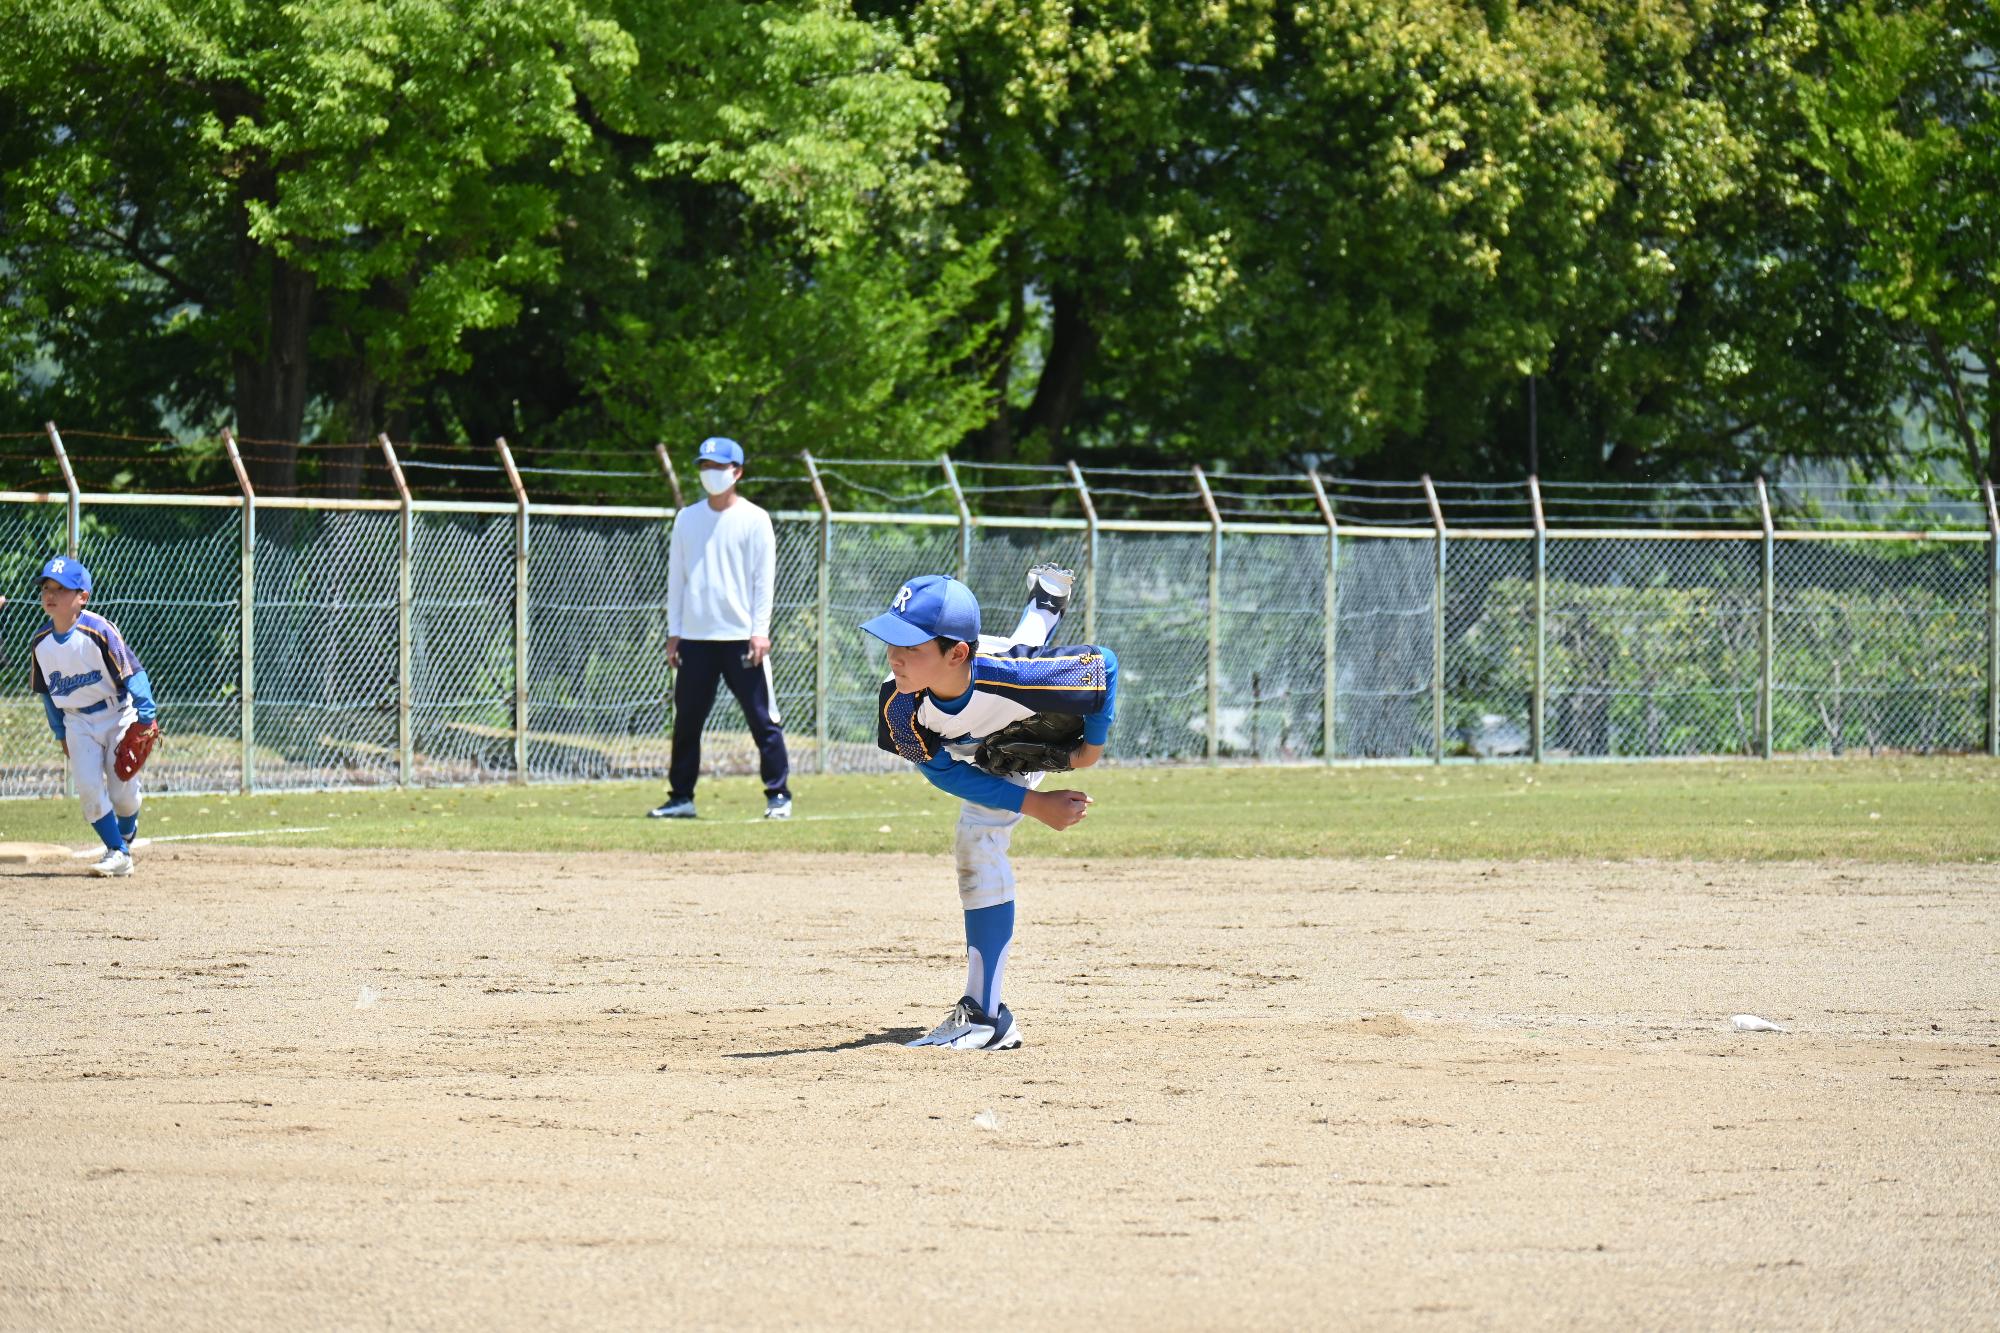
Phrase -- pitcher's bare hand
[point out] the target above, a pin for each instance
(1058, 809)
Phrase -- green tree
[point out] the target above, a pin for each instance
(1905, 124)
(347, 188)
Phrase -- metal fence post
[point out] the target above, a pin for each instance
(964, 520)
(1089, 570)
(74, 528)
(1330, 614)
(1992, 620)
(406, 760)
(1766, 646)
(673, 477)
(1538, 699)
(1437, 628)
(247, 693)
(824, 609)
(1214, 616)
(520, 609)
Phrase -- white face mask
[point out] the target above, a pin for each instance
(716, 480)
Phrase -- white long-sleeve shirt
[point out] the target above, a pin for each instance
(722, 569)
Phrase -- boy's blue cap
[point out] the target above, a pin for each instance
(67, 571)
(719, 449)
(931, 607)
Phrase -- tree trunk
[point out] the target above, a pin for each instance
(993, 442)
(1059, 393)
(270, 374)
(355, 430)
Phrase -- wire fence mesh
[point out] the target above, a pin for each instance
(324, 626)
(1635, 644)
(1653, 647)
(30, 763)
(1879, 646)
(1384, 652)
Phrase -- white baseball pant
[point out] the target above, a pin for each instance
(93, 743)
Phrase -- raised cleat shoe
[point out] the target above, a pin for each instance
(683, 809)
(777, 807)
(1050, 587)
(112, 865)
(969, 1028)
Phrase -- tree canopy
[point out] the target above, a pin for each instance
(1708, 234)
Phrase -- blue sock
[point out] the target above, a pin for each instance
(107, 829)
(989, 933)
(128, 829)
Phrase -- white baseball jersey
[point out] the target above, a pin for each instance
(1009, 682)
(85, 670)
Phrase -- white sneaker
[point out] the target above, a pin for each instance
(112, 865)
(777, 807)
(969, 1028)
(1050, 586)
(673, 809)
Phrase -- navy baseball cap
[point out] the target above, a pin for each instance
(931, 607)
(719, 449)
(67, 572)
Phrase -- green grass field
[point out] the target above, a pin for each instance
(1920, 810)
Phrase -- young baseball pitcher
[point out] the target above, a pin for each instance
(99, 704)
(986, 719)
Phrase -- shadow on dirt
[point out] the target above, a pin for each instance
(886, 1037)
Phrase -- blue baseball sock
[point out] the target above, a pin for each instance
(107, 829)
(989, 933)
(128, 829)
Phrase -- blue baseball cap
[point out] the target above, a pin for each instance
(931, 607)
(719, 449)
(67, 571)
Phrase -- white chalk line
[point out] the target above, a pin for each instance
(191, 837)
(1681, 1025)
(323, 828)
(820, 819)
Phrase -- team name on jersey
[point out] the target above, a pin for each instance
(61, 684)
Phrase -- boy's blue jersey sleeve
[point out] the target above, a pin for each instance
(56, 723)
(141, 687)
(1097, 725)
(970, 783)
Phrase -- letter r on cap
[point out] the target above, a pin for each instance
(902, 599)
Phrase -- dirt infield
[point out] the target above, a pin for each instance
(258, 1087)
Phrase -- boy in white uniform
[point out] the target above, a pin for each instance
(99, 704)
(953, 699)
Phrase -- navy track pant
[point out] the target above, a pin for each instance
(705, 663)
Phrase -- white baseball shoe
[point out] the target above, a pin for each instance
(112, 865)
(672, 809)
(969, 1028)
(777, 807)
(1049, 587)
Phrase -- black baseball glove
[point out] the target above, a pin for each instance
(1042, 743)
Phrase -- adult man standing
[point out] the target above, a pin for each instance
(722, 568)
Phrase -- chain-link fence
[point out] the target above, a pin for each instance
(308, 643)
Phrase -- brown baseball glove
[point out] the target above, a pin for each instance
(133, 748)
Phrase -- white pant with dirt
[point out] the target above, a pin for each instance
(93, 744)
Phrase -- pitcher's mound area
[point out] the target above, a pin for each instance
(304, 1088)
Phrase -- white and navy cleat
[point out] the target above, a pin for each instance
(673, 810)
(969, 1028)
(112, 865)
(777, 807)
(1050, 587)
